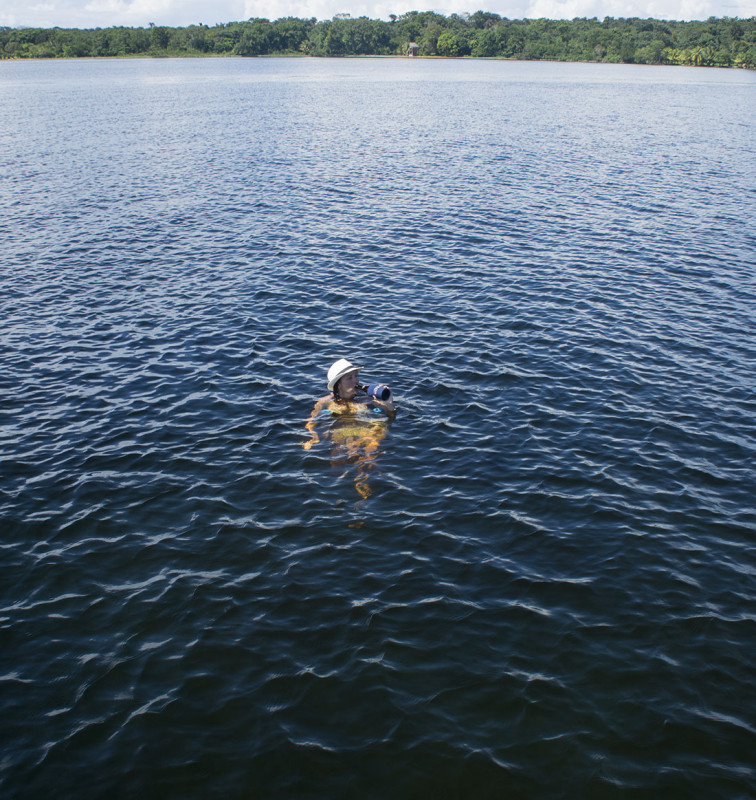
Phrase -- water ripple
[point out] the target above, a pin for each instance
(539, 576)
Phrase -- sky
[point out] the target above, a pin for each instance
(175, 13)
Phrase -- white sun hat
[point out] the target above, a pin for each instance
(338, 370)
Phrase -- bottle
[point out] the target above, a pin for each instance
(377, 390)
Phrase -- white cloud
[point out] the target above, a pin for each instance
(102, 13)
(163, 12)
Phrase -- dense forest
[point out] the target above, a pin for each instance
(726, 42)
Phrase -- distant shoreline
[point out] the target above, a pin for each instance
(726, 42)
(215, 56)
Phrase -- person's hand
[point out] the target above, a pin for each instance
(387, 406)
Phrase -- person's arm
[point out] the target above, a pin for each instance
(387, 406)
(313, 421)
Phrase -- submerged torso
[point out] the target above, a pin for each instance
(356, 409)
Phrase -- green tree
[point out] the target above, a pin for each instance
(257, 38)
(159, 36)
(447, 44)
(650, 53)
(714, 42)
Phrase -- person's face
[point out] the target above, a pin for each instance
(348, 385)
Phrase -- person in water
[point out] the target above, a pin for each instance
(347, 396)
(358, 423)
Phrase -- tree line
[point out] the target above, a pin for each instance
(716, 42)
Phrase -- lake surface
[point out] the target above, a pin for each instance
(538, 581)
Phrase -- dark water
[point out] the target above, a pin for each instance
(538, 581)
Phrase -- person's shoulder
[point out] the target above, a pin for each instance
(323, 404)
